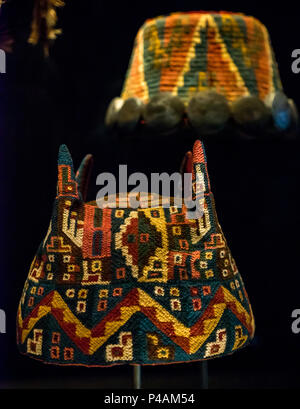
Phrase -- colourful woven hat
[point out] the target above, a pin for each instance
(208, 68)
(135, 286)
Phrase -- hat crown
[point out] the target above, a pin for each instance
(185, 53)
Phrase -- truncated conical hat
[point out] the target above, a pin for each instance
(132, 285)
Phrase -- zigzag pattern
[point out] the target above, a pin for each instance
(185, 53)
(189, 339)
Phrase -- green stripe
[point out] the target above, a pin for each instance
(276, 77)
(197, 64)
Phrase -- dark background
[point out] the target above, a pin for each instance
(255, 182)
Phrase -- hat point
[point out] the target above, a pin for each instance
(198, 152)
(64, 156)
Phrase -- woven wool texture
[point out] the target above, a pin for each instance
(144, 286)
(185, 53)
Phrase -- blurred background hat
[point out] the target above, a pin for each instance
(205, 70)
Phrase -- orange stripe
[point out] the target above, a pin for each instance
(135, 85)
(220, 73)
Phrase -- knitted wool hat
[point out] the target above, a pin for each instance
(206, 67)
(137, 286)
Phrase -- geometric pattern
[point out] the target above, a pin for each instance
(34, 346)
(156, 348)
(218, 346)
(140, 286)
(189, 339)
(185, 53)
(121, 351)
